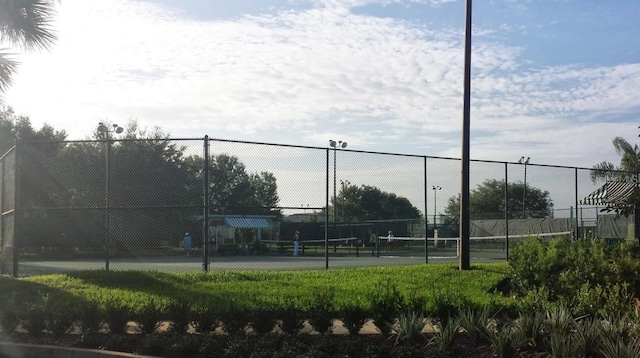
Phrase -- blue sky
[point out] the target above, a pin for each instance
(555, 80)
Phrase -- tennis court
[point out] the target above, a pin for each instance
(342, 253)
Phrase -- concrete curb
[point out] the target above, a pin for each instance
(19, 350)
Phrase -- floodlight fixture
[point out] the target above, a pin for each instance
(524, 189)
(335, 145)
(523, 161)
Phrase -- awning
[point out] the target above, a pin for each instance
(247, 223)
(613, 192)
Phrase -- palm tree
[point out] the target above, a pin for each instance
(629, 163)
(627, 171)
(24, 24)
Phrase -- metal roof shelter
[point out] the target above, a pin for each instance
(247, 222)
(613, 192)
(616, 194)
(225, 227)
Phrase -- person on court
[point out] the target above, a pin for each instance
(373, 242)
(390, 237)
(186, 243)
(296, 243)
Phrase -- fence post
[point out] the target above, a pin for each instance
(426, 225)
(3, 191)
(326, 214)
(17, 207)
(205, 209)
(575, 221)
(506, 207)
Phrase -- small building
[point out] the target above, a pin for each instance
(239, 233)
(618, 197)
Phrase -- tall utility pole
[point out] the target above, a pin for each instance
(435, 203)
(335, 145)
(465, 225)
(104, 133)
(524, 190)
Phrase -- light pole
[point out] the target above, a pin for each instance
(104, 133)
(344, 184)
(524, 190)
(335, 145)
(435, 203)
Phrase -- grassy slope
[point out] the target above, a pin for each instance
(135, 289)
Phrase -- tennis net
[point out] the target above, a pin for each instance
(483, 246)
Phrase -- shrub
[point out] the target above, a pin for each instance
(353, 317)
(60, 317)
(148, 317)
(599, 300)
(321, 312)
(386, 301)
(206, 317)
(563, 268)
(90, 318)
(9, 320)
(116, 317)
(34, 320)
(291, 320)
(180, 315)
(234, 319)
(263, 319)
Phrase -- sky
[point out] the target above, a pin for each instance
(553, 80)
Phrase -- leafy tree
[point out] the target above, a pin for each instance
(18, 127)
(365, 202)
(24, 24)
(487, 201)
(231, 189)
(629, 163)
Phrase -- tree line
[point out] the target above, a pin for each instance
(155, 190)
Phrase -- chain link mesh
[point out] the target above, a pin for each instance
(129, 204)
(7, 210)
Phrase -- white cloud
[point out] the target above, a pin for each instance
(305, 76)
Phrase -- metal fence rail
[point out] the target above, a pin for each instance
(127, 204)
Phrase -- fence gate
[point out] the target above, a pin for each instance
(7, 212)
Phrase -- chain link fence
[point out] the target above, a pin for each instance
(7, 210)
(213, 204)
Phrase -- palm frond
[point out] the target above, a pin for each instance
(7, 67)
(603, 170)
(27, 23)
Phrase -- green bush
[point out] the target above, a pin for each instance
(206, 316)
(386, 301)
(353, 317)
(235, 319)
(34, 319)
(9, 319)
(90, 318)
(321, 312)
(563, 268)
(291, 319)
(116, 317)
(263, 318)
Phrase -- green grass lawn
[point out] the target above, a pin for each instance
(134, 289)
